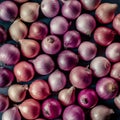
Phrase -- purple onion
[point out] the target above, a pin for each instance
(3, 35)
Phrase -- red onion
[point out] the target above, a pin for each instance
(115, 71)
(6, 77)
(113, 52)
(90, 4)
(71, 10)
(117, 101)
(104, 36)
(50, 8)
(17, 92)
(29, 48)
(85, 23)
(20, 1)
(80, 77)
(71, 39)
(100, 66)
(43, 64)
(66, 1)
(11, 114)
(3, 35)
(30, 109)
(105, 13)
(9, 54)
(57, 80)
(101, 112)
(107, 88)
(73, 112)
(29, 11)
(58, 25)
(87, 50)
(67, 96)
(8, 11)
(87, 98)
(51, 44)
(67, 60)
(23, 71)
(39, 89)
(51, 108)
(4, 102)
(38, 31)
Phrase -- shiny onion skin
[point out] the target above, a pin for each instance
(3, 34)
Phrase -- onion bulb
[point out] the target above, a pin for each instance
(3, 35)
(117, 101)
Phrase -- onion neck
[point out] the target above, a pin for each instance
(111, 87)
(50, 40)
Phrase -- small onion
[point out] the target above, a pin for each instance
(30, 109)
(3, 35)
(17, 92)
(24, 71)
(9, 54)
(57, 80)
(20, 1)
(8, 11)
(39, 89)
(117, 101)
(85, 23)
(100, 66)
(29, 11)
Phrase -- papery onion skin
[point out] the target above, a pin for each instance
(39, 89)
(6, 77)
(104, 36)
(20, 1)
(9, 54)
(8, 11)
(30, 108)
(117, 101)
(3, 34)
(80, 77)
(51, 108)
(51, 44)
(23, 71)
(71, 10)
(73, 112)
(38, 31)
(50, 8)
(100, 66)
(87, 50)
(85, 24)
(71, 39)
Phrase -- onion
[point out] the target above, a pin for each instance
(85, 24)
(43, 64)
(107, 88)
(17, 92)
(87, 98)
(100, 66)
(80, 77)
(117, 101)
(87, 50)
(20, 1)
(3, 35)
(29, 48)
(39, 89)
(29, 11)
(90, 4)
(67, 96)
(51, 108)
(50, 8)
(66, 1)
(73, 112)
(115, 71)
(57, 80)
(58, 25)
(6, 77)
(71, 10)
(38, 31)
(4, 102)
(8, 11)
(104, 36)
(18, 30)
(71, 39)
(30, 109)
(101, 112)
(40, 119)
(51, 44)
(105, 13)
(11, 114)
(9, 54)
(23, 71)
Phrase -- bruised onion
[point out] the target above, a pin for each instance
(17, 92)
(117, 101)
(24, 71)
(105, 12)
(3, 35)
